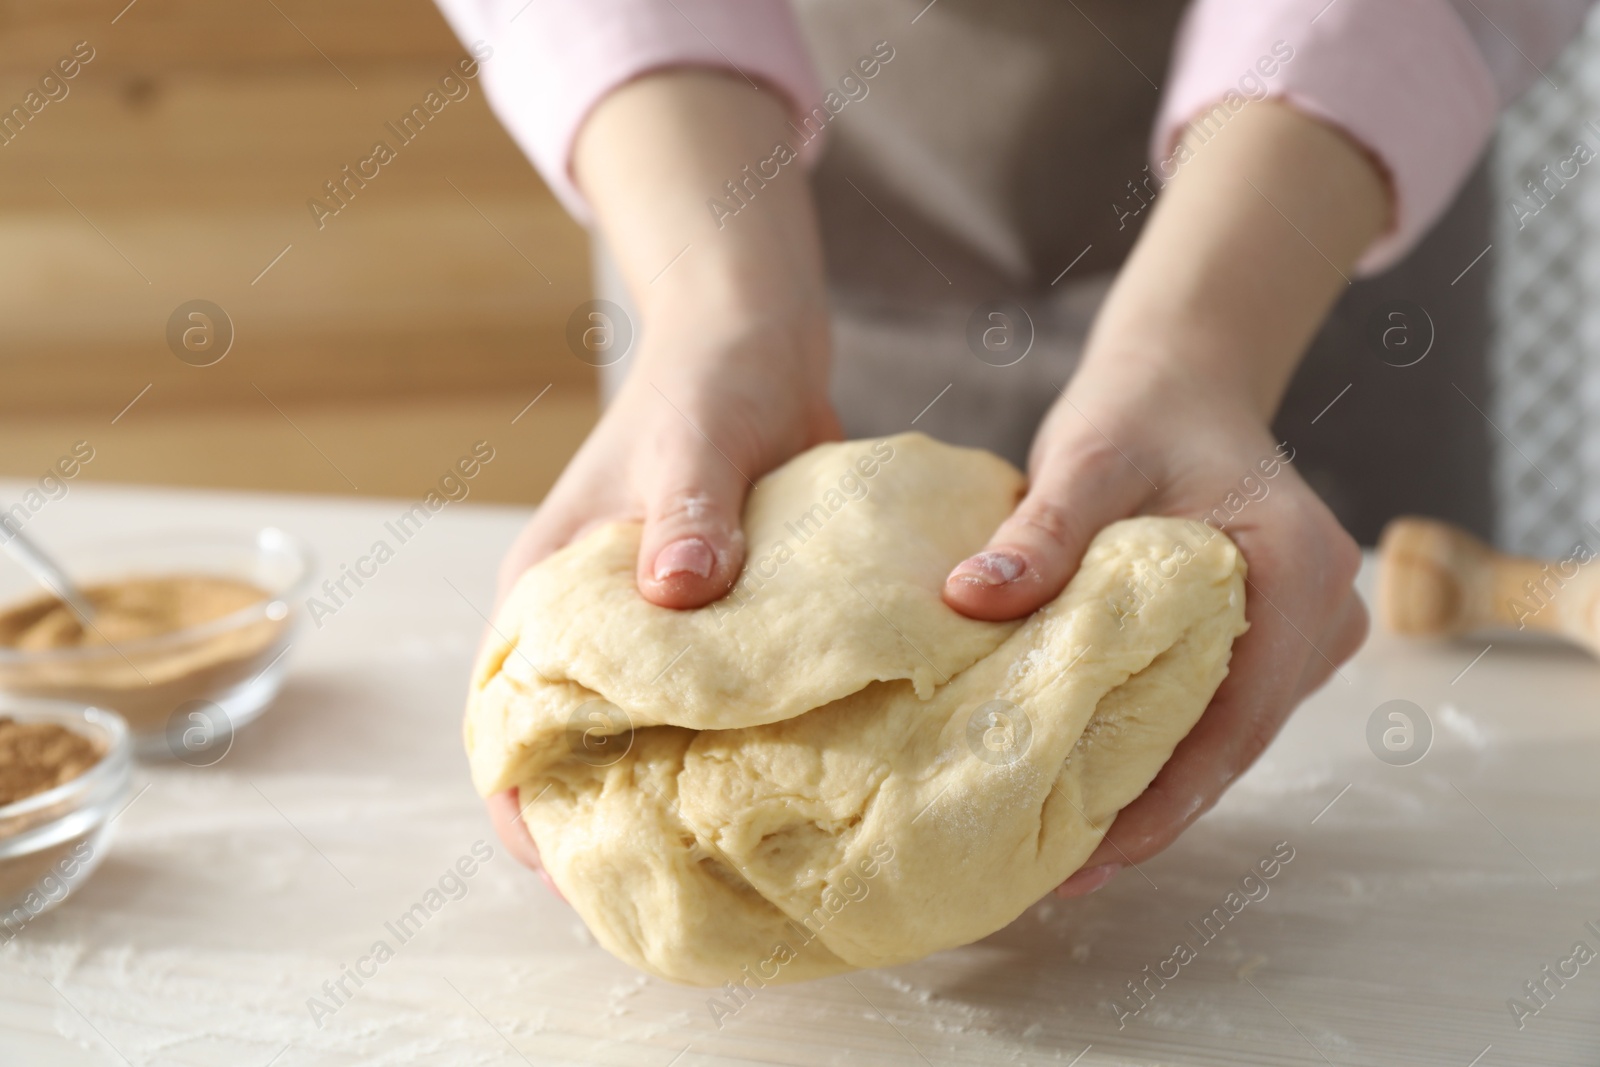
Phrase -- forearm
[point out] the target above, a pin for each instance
(1245, 253)
(651, 157)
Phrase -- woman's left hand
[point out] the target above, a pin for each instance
(1245, 252)
(1111, 450)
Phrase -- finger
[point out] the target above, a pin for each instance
(1342, 639)
(505, 812)
(692, 547)
(1030, 557)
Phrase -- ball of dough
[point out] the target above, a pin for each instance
(829, 768)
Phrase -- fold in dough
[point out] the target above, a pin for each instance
(830, 769)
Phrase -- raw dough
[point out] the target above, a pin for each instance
(831, 769)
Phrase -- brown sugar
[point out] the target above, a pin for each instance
(38, 756)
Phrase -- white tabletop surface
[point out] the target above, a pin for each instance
(1414, 908)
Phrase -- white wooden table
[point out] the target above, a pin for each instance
(1415, 906)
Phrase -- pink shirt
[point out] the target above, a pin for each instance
(1419, 83)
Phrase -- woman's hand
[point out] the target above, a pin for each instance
(1244, 254)
(709, 406)
(731, 374)
(1175, 450)
(706, 406)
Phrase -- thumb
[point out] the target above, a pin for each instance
(1072, 495)
(693, 544)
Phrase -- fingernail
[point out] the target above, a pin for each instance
(1088, 880)
(688, 556)
(990, 568)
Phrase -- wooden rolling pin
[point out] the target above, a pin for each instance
(1434, 578)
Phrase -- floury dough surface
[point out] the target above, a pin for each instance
(831, 769)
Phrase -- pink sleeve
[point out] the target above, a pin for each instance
(1410, 80)
(554, 60)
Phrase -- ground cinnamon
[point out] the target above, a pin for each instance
(38, 756)
(149, 651)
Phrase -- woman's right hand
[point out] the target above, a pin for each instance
(709, 407)
(730, 376)
(691, 423)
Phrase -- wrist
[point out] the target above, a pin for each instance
(1149, 374)
(710, 328)
(1243, 256)
(713, 287)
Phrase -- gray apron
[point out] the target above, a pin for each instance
(976, 202)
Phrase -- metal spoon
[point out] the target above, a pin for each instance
(48, 573)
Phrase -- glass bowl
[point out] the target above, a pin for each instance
(183, 693)
(52, 841)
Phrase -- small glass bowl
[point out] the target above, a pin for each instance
(183, 693)
(52, 841)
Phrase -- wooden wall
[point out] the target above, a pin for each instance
(422, 317)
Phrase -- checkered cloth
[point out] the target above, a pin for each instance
(1544, 358)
